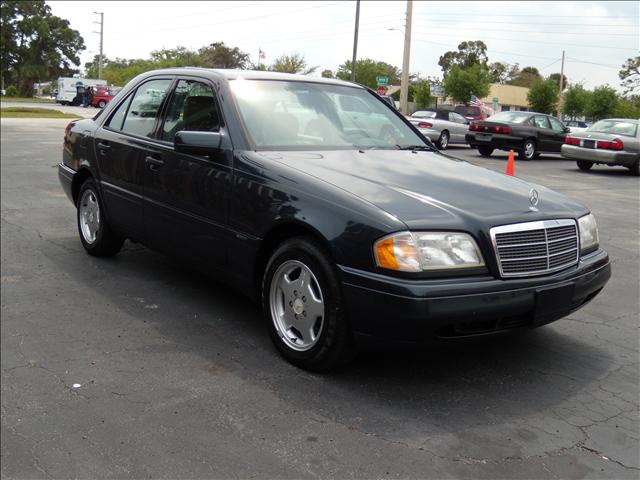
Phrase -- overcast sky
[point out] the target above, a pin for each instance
(597, 36)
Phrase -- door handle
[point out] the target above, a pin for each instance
(104, 146)
(154, 163)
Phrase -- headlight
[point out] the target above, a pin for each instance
(588, 233)
(419, 251)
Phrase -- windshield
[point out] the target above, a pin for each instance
(285, 115)
(510, 117)
(615, 127)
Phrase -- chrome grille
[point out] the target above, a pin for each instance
(535, 248)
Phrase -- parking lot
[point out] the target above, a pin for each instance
(134, 367)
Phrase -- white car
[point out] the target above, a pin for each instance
(443, 127)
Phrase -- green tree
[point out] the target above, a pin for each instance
(367, 70)
(327, 73)
(176, 57)
(543, 96)
(461, 83)
(630, 76)
(502, 72)
(36, 45)
(422, 93)
(526, 78)
(468, 54)
(603, 103)
(628, 107)
(556, 78)
(292, 63)
(218, 55)
(575, 100)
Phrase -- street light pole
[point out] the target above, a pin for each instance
(404, 83)
(355, 43)
(101, 32)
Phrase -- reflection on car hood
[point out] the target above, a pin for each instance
(425, 188)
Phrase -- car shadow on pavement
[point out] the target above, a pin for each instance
(448, 387)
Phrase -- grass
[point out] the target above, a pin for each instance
(34, 112)
(27, 99)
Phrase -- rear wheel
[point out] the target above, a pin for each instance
(528, 151)
(485, 151)
(635, 168)
(303, 307)
(443, 141)
(102, 104)
(584, 165)
(97, 236)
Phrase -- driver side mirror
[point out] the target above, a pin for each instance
(198, 143)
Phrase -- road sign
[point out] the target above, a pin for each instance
(382, 80)
(381, 90)
(436, 90)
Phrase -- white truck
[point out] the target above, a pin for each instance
(68, 89)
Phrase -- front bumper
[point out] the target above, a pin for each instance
(609, 157)
(388, 309)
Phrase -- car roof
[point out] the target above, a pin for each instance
(231, 74)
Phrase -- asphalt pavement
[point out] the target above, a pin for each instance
(135, 367)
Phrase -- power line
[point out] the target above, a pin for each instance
(457, 14)
(546, 24)
(435, 26)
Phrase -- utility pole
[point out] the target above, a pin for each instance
(404, 82)
(101, 32)
(355, 43)
(560, 104)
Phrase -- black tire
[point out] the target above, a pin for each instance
(443, 141)
(334, 345)
(102, 104)
(485, 151)
(528, 150)
(634, 169)
(106, 243)
(584, 165)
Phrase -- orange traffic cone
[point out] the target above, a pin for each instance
(510, 163)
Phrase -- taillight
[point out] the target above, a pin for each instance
(503, 130)
(474, 127)
(615, 144)
(425, 125)
(67, 129)
(572, 141)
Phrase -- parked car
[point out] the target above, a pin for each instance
(614, 141)
(576, 125)
(470, 112)
(389, 100)
(103, 95)
(70, 88)
(348, 228)
(442, 127)
(528, 133)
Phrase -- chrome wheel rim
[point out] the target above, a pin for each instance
(89, 216)
(444, 140)
(529, 149)
(297, 305)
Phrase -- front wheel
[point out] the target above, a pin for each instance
(97, 236)
(528, 151)
(485, 151)
(102, 104)
(303, 307)
(584, 165)
(443, 141)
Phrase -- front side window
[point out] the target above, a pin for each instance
(556, 124)
(145, 105)
(305, 115)
(192, 107)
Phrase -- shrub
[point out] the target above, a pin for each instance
(12, 91)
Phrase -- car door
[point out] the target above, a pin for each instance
(545, 134)
(459, 127)
(186, 196)
(120, 145)
(559, 134)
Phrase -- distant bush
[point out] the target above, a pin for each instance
(12, 91)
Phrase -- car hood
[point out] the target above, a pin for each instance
(426, 189)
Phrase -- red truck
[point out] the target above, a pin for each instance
(103, 95)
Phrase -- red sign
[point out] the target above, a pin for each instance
(381, 90)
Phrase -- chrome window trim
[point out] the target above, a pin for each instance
(537, 225)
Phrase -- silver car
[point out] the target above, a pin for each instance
(613, 141)
(442, 127)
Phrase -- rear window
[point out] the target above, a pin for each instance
(615, 127)
(464, 110)
(423, 114)
(510, 117)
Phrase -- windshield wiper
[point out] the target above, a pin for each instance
(415, 147)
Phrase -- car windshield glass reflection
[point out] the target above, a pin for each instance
(304, 115)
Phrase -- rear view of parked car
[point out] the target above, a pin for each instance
(612, 142)
(527, 133)
(443, 127)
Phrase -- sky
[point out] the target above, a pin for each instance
(597, 37)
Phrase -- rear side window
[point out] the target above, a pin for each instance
(115, 122)
(192, 108)
(541, 122)
(144, 109)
